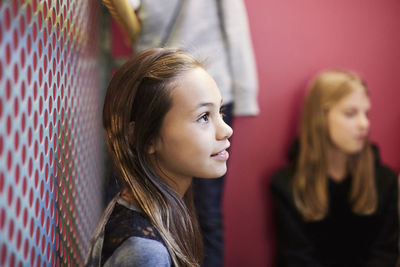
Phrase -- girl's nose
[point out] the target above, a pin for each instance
(224, 131)
(363, 121)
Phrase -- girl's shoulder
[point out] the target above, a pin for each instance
(280, 184)
(138, 251)
(283, 177)
(386, 179)
(387, 187)
(128, 230)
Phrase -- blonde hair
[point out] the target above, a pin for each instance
(310, 183)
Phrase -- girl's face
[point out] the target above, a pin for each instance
(348, 122)
(193, 137)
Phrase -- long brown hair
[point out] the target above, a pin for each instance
(310, 183)
(138, 97)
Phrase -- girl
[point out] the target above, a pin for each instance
(163, 126)
(336, 204)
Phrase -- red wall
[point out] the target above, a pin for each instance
(293, 40)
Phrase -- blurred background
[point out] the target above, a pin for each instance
(56, 58)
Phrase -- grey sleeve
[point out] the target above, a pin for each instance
(242, 58)
(138, 251)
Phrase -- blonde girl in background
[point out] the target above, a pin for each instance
(336, 203)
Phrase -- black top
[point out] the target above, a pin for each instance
(342, 238)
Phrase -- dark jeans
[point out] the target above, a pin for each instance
(207, 198)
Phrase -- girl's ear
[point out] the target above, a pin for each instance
(154, 145)
(151, 149)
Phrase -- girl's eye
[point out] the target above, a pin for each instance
(350, 113)
(204, 118)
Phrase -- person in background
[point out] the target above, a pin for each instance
(163, 125)
(217, 31)
(336, 204)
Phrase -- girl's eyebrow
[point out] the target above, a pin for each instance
(206, 104)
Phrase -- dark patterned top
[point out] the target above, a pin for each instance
(127, 238)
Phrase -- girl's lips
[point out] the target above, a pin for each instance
(223, 155)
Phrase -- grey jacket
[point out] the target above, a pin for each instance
(214, 31)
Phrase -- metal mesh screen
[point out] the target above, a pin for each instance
(51, 148)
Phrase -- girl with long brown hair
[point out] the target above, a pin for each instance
(336, 203)
(163, 126)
